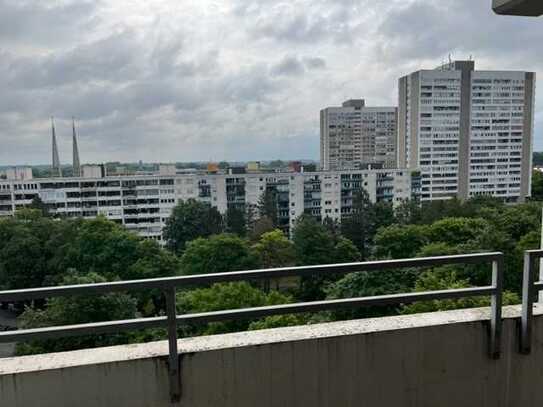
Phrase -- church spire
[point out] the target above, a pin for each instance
(76, 163)
(56, 170)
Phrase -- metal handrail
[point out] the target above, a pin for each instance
(171, 321)
(530, 287)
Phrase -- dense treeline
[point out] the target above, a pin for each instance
(538, 158)
(38, 250)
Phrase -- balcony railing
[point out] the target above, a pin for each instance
(530, 289)
(171, 321)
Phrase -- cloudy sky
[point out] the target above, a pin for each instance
(183, 80)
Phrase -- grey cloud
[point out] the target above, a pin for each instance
(111, 58)
(132, 83)
(38, 23)
(246, 86)
(245, 81)
(288, 66)
(314, 62)
(292, 65)
(297, 28)
(434, 28)
(166, 53)
(304, 22)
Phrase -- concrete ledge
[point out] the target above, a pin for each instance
(85, 357)
(415, 356)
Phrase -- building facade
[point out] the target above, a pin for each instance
(469, 132)
(143, 203)
(20, 173)
(355, 136)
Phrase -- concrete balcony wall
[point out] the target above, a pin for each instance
(426, 360)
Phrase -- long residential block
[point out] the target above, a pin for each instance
(143, 203)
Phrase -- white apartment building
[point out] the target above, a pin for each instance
(143, 203)
(354, 136)
(469, 132)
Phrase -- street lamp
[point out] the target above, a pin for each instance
(529, 8)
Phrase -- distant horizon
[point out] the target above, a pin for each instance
(166, 162)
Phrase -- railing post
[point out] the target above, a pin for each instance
(527, 303)
(496, 305)
(173, 356)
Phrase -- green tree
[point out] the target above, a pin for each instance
(27, 245)
(384, 215)
(367, 284)
(217, 254)
(267, 205)
(261, 226)
(251, 216)
(491, 239)
(345, 251)
(478, 202)
(519, 220)
(313, 245)
(312, 242)
(279, 321)
(399, 242)
(23, 261)
(530, 241)
(445, 278)
(40, 252)
(28, 214)
(39, 205)
(190, 220)
(99, 246)
(275, 250)
(432, 211)
(438, 249)
(538, 158)
(77, 310)
(456, 230)
(333, 226)
(151, 261)
(236, 221)
(537, 185)
(225, 297)
(408, 212)
(515, 260)
(360, 226)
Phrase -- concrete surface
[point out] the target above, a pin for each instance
(426, 360)
(7, 318)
